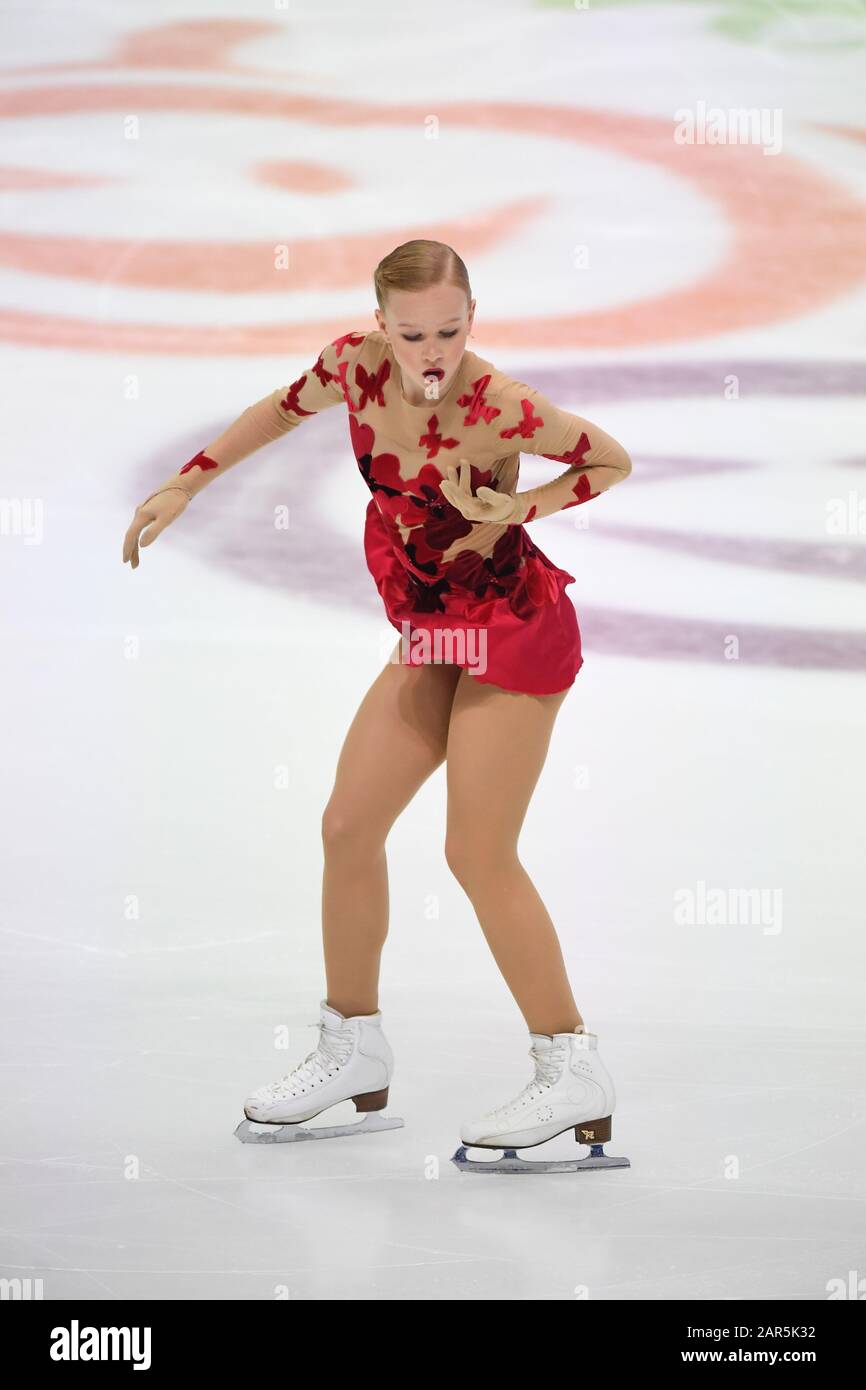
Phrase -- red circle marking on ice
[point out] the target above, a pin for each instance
(782, 261)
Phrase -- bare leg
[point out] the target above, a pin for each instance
(497, 744)
(396, 740)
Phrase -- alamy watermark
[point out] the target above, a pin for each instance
(76, 1343)
(738, 125)
(22, 516)
(729, 907)
(459, 646)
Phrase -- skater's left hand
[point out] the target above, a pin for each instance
(485, 505)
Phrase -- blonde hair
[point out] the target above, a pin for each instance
(416, 265)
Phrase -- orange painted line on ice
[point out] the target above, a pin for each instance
(797, 238)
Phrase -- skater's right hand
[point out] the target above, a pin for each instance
(155, 514)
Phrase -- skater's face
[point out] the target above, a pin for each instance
(427, 330)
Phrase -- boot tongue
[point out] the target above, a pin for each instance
(546, 1057)
(544, 1047)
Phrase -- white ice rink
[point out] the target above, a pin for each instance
(171, 734)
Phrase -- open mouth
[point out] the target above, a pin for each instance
(433, 374)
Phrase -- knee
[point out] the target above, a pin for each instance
(471, 858)
(346, 831)
(459, 862)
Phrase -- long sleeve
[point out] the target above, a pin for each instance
(596, 460)
(326, 383)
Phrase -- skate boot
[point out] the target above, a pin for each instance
(571, 1089)
(352, 1061)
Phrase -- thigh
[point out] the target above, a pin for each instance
(497, 745)
(395, 741)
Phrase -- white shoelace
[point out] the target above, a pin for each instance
(332, 1048)
(547, 1068)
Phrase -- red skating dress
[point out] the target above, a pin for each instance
(480, 595)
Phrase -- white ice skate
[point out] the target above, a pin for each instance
(353, 1061)
(571, 1089)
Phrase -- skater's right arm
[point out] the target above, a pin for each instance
(282, 410)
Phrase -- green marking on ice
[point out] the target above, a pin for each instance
(780, 21)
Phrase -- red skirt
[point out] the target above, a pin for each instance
(536, 653)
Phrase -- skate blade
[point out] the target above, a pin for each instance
(510, 1163)
(250, 1132)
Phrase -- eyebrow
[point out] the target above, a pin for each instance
(415, 325)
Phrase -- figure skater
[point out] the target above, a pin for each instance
(489, 648)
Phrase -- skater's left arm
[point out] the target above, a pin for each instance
(531, 423)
